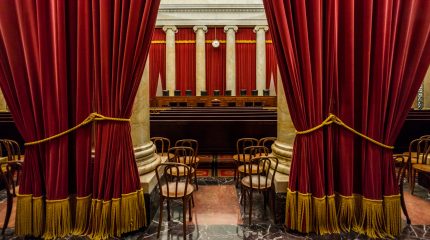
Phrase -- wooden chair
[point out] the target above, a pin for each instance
(400, 162)
(240, 156)
(194, 144)
(267, 142)
(162, 144)
(419, 162)
(183, 155)
(173, 186)
(9, 170)
(259, 180)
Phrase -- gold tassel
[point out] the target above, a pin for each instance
(346, 213)
(58, 219)
(392, 212)
(371, 222)
(132, 211)
(304, 212)
(115, 218)
(23, 223)
(141, 202)
(83, 208)
(38, 216)
(325, 219)
(291, 210)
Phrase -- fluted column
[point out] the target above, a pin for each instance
(260, 58)
(144, 149)
(283, 146)
(200, 58)
(230, 67)
(426, 84)
(3, 106)
(170, 58)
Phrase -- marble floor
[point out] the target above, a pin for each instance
(217, 214)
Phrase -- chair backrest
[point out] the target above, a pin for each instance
(188, 92)
(227, 93)
(419, 149)
(162, 144)
(400, 174)
(242, 143)
(264, 165)
(267, 142)
(255, 151)
(254, 92)
(165, 93)
(181, 154)
(192, 143)
(242, 92)
(12, 148)
(167, 177)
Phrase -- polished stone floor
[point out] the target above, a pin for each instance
(217, 214)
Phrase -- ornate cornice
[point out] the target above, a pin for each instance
(219, 8)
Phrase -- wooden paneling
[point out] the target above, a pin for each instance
(216, 101)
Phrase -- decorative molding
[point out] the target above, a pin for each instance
(200, 27)
(258, 28)
(234, 28)
(173, 28)
(211, 8)
(207, 41)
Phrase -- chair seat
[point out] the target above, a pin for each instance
(247, 182)
(254, 168)
(181, 171)
(422, 167)
(414, 157)
(180, 188)
(240, 157)
(187, 159)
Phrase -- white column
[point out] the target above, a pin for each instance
(283, 146)
(170, 58)
(230, 67)
(260, 58)
(144, 149)
(3, 106)
(200, 58)
(426, 85)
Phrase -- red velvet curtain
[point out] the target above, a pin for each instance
(215, 61)
(53, 55)
(157, 61)
(185, 50)
(271, 64)
(364, 62)
(245, 60)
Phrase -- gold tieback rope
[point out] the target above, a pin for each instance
(92, 117)
(333, 119)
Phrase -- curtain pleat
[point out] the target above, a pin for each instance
(157, 61)
(215, 61)
(185, 60)
(245, 60)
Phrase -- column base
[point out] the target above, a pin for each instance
(146, 158)
(284, 153)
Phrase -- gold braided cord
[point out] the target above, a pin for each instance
(334, 119)
(92, 117)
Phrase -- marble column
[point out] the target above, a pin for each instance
(426, 84)
(200, 58)
(283, 146)
(260, 58)
(170, 58)
(3, 106)
(230, 67)
(144, 149)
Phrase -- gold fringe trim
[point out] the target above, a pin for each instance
(325, 218)
(83, 207)
(29, 215)
(335, 213)
(113, 218)
(58, 219)
(206, 41)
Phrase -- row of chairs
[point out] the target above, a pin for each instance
(11, 160)
(255, 170)
(242, 92)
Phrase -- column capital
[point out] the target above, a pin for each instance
(200, 27)
(173, 28)
(227, 28)
(260, 28)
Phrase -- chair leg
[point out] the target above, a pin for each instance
(190, 217)
(184, 212)
(250, 206)
(160, 220)
(265, 200)
(403, 204)
(412, 185)
(192, 199)
(273, 204)
(195, 179)
(8, 212)
(168, 209)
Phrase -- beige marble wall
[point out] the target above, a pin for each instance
(426, 84)
(144, 149)
(170, 58)
(200, 58)
(230, 67)
(3, 106)
(260, 58)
